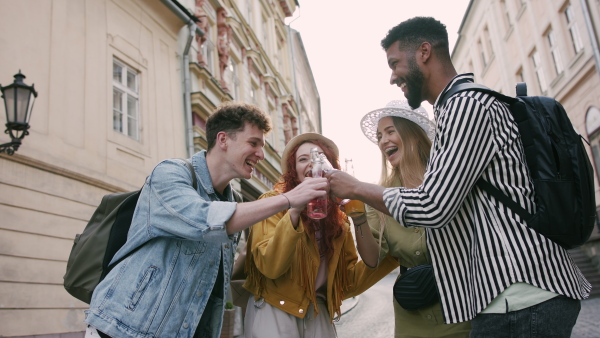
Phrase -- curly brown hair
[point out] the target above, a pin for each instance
(231, 117)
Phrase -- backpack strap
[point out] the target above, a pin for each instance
(194, 184)
(236, 196)
(193, 172)
(481, 183)
(507, 201)
(461, 87)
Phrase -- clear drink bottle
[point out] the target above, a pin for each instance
(327, 167)
(317, 208)
(354, 208)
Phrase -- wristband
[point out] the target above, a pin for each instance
(358, 221)
(288, 200)
(359, 226)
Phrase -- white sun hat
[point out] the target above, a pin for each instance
(398, 108)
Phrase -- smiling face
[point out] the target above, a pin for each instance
(303, 162)
(389, 141)
(406, 73)
(245, 149)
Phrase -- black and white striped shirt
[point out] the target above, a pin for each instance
(478, 246)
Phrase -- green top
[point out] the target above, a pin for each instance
(518, 296)
(409, 246)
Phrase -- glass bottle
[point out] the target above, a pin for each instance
(327, 167)
(317, 208)
(354, 208)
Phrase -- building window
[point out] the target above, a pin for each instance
(208, 50)
(126, 119)
(279, 56)
(264, 179)
(488, 40)
(234, 79)
(250, 14)
(265, 33)
(481, 53)
(519, 75)
(573, 30)
(253, 96)
(539, 71)
(506, 15)
(554, 51)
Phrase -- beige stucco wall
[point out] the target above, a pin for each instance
(50, 187)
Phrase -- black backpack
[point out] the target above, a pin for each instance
(558, 164)
(105, 233)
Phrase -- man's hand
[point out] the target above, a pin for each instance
(306, 191)
(342, 185)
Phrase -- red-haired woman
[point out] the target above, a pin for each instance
(300, 269)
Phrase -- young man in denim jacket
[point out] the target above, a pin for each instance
(175, 283)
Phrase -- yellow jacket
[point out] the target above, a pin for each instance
(282, 265)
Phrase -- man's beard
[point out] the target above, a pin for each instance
(414, 84)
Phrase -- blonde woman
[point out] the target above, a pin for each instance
(404, 136)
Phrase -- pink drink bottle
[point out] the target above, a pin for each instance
(317, 208)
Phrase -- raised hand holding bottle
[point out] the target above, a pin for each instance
(317, 208)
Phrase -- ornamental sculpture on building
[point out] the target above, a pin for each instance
(223, 41)
(203, 25)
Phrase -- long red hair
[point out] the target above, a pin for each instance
(332, 226)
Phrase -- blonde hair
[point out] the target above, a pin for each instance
(416, 147)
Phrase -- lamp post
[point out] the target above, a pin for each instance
(18, 103)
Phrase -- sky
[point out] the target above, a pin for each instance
(342, 41)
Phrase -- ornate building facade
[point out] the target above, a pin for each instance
(122, 85)
(248, 54)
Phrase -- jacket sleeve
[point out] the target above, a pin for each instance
(273, 243)
(361, 276)
(175, 209)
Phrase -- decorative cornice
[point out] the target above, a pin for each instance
(286, 8)
(56, 170)
(210, 82)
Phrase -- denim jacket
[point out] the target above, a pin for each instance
(176, 240)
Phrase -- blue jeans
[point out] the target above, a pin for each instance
(552, 318)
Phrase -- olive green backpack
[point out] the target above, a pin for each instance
(105, 233)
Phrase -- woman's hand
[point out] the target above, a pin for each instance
(303, 193)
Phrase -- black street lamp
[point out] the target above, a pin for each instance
(18, 102)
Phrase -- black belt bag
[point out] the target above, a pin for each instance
(415, 288)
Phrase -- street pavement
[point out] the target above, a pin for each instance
(588, 323)
(370, 315)
(374, 306)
